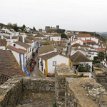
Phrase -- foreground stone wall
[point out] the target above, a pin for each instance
(11, 91)
(70, 100)
(60, 80)
(39, 84)
(74, 91)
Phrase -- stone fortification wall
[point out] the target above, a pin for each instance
(39, 84)
(60, 79)
(75, 91)
(11, 91)
(70, 100)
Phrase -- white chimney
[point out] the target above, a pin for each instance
(2, 37)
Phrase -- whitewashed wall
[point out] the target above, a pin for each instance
(77, 41)
(57, 38)
(59, 60)
(40, 67)
(2, 47)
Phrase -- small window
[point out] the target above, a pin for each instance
(54, 63)
(14, 45)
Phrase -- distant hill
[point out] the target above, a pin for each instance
(103, 34)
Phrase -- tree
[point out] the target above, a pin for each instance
(15, 27)
(34, 29)
(101, 56)
(10, 26)
(63, 35)
(23, 27)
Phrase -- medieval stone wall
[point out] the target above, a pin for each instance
(11, 91)
(60, 81)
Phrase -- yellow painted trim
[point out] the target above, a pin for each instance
(46, 68)
(69, 62)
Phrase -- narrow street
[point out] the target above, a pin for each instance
(36, 73)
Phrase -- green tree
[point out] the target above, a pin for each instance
(34, 29)
(101, 56)
(63, 35)
(23, 28)
(10, 26)
(15, 27)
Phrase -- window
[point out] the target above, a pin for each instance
(14, 45)
(54, 63)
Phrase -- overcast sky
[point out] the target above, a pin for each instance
(86, 15)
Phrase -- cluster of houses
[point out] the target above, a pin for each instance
(77, 50)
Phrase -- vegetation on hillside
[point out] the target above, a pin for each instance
(15, 27)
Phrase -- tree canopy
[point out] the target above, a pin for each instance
(63, 35)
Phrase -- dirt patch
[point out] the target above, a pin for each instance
(41, 99)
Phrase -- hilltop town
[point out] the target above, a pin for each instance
(30, 53)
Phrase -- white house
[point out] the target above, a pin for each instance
(24, 46)
(8, 32)
(48, 62)
(20, 55)
(91, 54)
(55, 38)
(87, 36)
(79, 41)
(33, 42)
(11, 39)
(79, 58)
(104, 62)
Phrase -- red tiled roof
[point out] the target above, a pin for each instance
(100, 49)
(3, 42)
(76, 44)
(45, 48)
(16, 49)
(89, 41)
(22, 44)
(13, 37)
(8, 64)
(84, 35)
(79, 57)
(48, 56)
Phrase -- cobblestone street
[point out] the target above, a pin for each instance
(36, 73)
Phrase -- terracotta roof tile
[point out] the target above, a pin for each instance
(8, 64)
(100, 49)
(22, 44)
(16, 49)
(48, 56)
(13, 37)
(79, 57)
(84, 35)
(89, 41)
(76, 45)
(45, 48)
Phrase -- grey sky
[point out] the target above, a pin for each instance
(87, 15)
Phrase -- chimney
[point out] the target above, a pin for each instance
(2, 37)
